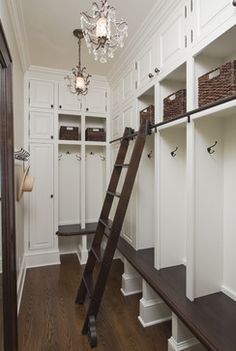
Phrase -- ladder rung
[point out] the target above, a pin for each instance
(106, 223)
(113, 194)
(88, 281)
(124, 165)
(97, 252)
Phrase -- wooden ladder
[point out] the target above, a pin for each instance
(94, 287)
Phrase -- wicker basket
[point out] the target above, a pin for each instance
(175, 105)
(95, 134)
(148, 114)
(217, 84)
(69, 133)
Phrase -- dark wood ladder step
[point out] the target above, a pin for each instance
(114, 194)
(98, 253)
(106, 222)
(124, 165)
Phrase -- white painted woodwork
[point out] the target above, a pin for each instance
(41, 125)
(172, 37)
(116, 95)
(152, 309)
(116, 126)
(69, 185)
(41, 94)
(67, 100)
(210, 14)
(96, 100)
(95, 183)
(128, 82)
(172, 197)
(182, 339)
(41, 212)
(131, 280)
(144, 65)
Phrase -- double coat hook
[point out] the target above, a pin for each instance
(209, 149)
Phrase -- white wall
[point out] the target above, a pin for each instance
(18, 95)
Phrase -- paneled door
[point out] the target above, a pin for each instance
(41, 125)
(42, 198)
(96, 100)
(41, 94)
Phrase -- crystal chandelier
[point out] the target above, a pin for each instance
(102, 32)
(79, 81)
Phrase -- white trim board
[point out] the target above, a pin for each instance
(20, 283)
(41, 259)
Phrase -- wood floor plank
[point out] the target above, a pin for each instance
(49, 320)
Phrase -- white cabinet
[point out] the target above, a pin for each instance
(145, 66)
(117, 95)
(211, 14)
(128, 83)
(172, 36)
(41, 125)
(41, 212)
(41, 94)
(129, 116)
(116, 126)
(96, 100)
(67, 100)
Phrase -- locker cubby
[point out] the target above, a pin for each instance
(95, 181)
(69, 121)
(171, 191)
(95, 122)
(213, 254)
(175, 81)
(69, 184)
(220, 51)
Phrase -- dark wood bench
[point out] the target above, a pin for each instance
(75, 229)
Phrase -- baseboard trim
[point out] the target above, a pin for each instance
(230, 293)
(20, 283)
(130, 293)
(183, 345)
(42, 258)
(149, 324)
(82, 255)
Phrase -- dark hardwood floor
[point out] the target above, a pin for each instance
(50, 321)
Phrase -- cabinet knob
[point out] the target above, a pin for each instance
(52, 106)
(234, 3)
(150, 75)
(51, 196)
(87, 109)
(60, 106)
(156, 70)
(52, 137)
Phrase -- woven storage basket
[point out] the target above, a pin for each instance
(217, 84)
(69, 133)
(148, 114)
(95, 134)
(175, 105)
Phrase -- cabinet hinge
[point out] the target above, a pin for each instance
(185, 11)
(136, 65)
(28, 244)
(191, 36)
(106, 94)
(185, 41)
(191, 5)
(136, 84)
(106, 108)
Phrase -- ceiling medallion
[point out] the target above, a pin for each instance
(103, 33)
(79, 81)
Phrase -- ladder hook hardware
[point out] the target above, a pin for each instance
(150, 154)
(173, 153)
(209, 149)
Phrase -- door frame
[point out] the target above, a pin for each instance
(8, 198)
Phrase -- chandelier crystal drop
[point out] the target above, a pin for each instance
(103, 33)
(79, 81)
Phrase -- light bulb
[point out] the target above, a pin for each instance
(101, 28)
(80, 83)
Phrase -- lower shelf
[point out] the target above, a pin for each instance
(75, 229)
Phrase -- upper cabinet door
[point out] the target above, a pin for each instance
(41, 125)
(144, 67)
(96, 100)
(67, 100)
(211, 14)
(172, 37)
(41, 94)
(128, 83)
(116, 95)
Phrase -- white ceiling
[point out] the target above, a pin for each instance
(50, 23)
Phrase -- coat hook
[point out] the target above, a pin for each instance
(209, 149)
(173, 153)
(59, 157)
(91, 153)
(102, 158)
(150, 154)
(78, 157)
(68, 152)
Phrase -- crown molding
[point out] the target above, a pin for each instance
(17, 19)
(147, 29)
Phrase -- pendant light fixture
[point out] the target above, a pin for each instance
(79, 81)
(103, 33)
